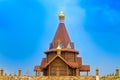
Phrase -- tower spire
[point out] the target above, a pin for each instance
(61, 34)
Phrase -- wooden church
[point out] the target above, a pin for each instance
(61, 58)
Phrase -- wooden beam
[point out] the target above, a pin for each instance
(73, 72)
(77, 72)
(49, 70)
(39, 72)
(67, 71)
(36, 72)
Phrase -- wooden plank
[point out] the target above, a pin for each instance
(67, 71)
(49, 71)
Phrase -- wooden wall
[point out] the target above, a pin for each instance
(70, 56)
(50, 56)
(45, 72)
(60, 65)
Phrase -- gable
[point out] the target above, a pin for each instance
(58, 62)
(57, 56)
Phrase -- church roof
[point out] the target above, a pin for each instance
(36, 68)
(44, 61)
(76, 64)
(62, 35)
(85, 68)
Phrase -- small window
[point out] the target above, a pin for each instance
(61, 44)
(52, 46)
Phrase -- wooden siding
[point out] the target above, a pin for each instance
(70, 57)
(63, 55)
(58, 64)
(50, 56)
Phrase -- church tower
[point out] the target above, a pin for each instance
(61, 57)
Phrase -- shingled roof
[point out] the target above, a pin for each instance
(61, 35)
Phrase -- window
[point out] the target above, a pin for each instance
(52, 46)
(61, 44)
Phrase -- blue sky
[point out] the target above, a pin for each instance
(28, 26)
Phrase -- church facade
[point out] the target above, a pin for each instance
(61, 58)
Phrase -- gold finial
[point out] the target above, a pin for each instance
(61, 15)
(58, 48)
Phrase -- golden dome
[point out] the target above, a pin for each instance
(61, 15)
(58, 48)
